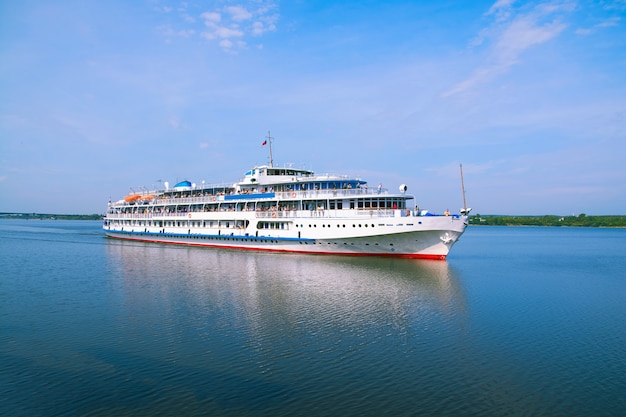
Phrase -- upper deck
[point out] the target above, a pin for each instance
(267, 182)
(265, 178)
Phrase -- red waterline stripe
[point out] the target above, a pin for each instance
(202, 245)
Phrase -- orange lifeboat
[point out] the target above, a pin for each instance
(132, 197)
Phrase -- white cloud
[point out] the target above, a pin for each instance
(522, 34)
(512, 34)
(212, 17)
(170, 33)
(226, 44)
(614, 5)
(238, 13)
(501, 8)
(224, 24)
(258, 28)
(224, 32)
(611, 22)
(229, 26)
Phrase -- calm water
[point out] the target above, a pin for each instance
(518, 321)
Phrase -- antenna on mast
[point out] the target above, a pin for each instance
(269, 139)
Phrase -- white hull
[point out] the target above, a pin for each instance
(428, 237)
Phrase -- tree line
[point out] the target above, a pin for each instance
(581, 220)
(46, 216)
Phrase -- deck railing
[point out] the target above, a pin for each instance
(272, 214)
(274, 195)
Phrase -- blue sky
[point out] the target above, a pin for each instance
(98, 97)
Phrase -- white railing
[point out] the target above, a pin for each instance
(280, 195)
(270, 214)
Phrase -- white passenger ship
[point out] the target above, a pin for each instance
(284, 209)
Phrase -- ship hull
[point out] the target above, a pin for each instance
(421, 241)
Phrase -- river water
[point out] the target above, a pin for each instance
(519, 321)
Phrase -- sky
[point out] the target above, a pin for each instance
(99, 98)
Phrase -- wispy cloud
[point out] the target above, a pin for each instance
(501, 8)
(509, 34)
(607, 23)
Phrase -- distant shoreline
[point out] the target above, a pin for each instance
(48, 216)
(581, 220)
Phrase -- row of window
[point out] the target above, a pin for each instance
(238, 224)
(264, 239)
(356, 225)
(369, 203)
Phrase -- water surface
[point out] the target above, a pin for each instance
(518, 321)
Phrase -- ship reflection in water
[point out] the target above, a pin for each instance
(279, 334)
(305, 289)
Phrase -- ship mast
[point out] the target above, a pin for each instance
(463, 189)
(269, 140)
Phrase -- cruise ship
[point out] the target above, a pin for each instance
(290, 210)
